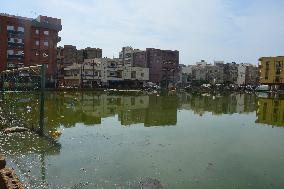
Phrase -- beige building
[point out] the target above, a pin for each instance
(103, 71)
(271, 70)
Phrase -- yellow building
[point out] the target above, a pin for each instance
(270, 111)
(271, 70)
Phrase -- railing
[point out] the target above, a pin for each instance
(18, 45)
(15, 32)
(15, 56)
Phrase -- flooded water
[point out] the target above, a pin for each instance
(100, 140)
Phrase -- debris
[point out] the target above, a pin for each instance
(15, 130)
(2, 161)
(8, 179)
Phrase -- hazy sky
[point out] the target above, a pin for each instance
(229, 30)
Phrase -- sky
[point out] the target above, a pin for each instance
(227, 30)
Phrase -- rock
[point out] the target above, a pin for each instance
(2, 161)
(15, 130)
(9, 179)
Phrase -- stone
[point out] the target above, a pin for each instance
(2, 161)
(15, 130)
(9, 179)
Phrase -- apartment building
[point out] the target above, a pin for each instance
(163, 65)
(29, 41)
(126, 55)
(104, 71)
(271, 70)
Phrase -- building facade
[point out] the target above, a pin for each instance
(271, 70)
(104, 72)
(214, 74)
(231, 73)
(163, 66)
(241, 79)
(28, 41)
(252, 75)
(126, 55)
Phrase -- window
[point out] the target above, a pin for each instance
(266, 74)
(11, 40)
(37, 43)
(11, 65)
(21, 29)
(37, 32)
(133, 74)
(10, 52)
(20, 52)
(45, 43)
(10, 27)
(20, 40)
(267, 65)
(142, 74)
(46, 32)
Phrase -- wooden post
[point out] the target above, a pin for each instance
(42, 89)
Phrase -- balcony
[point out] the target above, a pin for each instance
(15, 32)
(15, 45)
(15, 57)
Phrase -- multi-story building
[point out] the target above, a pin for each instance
(163, 66)
(140, 59)
(91, 53)
(186, 75)
(28, 41)
(271, 70)
(241, 79)
(231, 73)
(69, 54)
(104, 71)
(214, 74)
(126, 56)
(247, 74)
(252, 77)
(199, 71)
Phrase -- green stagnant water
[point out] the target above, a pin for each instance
(147, 141)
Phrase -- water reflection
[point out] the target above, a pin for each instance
(90, 108)
(217, 104)
(271, 111)
(68, 109)
(34, 154)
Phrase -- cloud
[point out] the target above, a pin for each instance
(227, 30)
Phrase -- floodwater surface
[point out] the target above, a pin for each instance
(104, 140)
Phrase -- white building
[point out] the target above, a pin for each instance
(241, 74)
(103, 71)
(126, 55)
